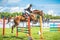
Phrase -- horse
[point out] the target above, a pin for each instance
(21, 18)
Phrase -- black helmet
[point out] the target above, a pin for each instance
(30, 4)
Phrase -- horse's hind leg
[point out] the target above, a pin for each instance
(12, 28)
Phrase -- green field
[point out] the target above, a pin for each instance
(48, 35)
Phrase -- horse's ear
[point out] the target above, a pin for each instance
(41, 13)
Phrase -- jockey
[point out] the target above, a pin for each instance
(27, 10)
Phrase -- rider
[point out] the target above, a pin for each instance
(28, 10)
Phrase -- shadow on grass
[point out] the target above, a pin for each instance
(14, 37)
(5, 37)
(18, 37)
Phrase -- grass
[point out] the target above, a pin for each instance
(48, 35)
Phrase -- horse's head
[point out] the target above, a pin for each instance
(38, 12)
(35, 15)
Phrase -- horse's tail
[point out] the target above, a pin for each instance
(9, 19)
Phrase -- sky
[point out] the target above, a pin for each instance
(48, 6)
